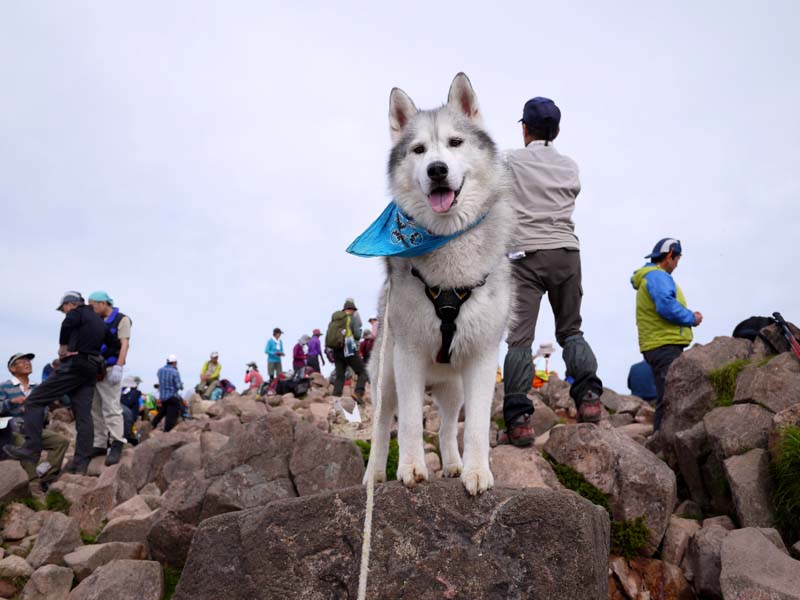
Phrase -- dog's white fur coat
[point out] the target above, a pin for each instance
(414, 337)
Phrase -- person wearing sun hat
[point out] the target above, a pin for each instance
(12, 398)
(209, 376)
(662, 319)
(314, 351)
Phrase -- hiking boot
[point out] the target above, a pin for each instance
(77, 467)
(591, 409)
(114, 454)
(519, 433)
(21, 454)
(97, 451)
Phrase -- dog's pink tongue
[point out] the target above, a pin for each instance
(441, 201)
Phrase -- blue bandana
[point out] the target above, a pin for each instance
(396, 234)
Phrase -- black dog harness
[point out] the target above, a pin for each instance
(447, 304)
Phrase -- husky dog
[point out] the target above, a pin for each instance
(445, 174)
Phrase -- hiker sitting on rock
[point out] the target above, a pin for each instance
(664, 322)
(253, 377)
(209, 376)
(12, 397)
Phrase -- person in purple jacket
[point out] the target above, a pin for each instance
(314, 353)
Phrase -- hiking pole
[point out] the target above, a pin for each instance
(794, 346)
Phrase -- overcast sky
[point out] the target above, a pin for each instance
(207, 163)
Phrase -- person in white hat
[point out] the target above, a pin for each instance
(209, 376)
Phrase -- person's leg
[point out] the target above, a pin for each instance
(127, 423)
(518, 364)
(272, 369)
(313, 362)
(173, 409)
(98, 424)
(162, 410)
(211, 387)
(341, 365)
(565, 293)
(82, 409)
(56, 446)
(660, 359)
(357, 365)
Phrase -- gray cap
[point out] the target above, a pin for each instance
(71, 296)
(19, 355)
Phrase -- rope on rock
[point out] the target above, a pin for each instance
(376, 413)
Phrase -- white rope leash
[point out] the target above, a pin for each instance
(376, 414)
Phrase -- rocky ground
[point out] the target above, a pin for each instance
(261, 498)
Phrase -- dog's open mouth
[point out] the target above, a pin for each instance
(443, 199)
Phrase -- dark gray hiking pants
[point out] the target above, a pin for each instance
(556, 273)
(660, 359)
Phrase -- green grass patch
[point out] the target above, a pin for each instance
(724, 381)
(56, 502)
(88, 538)
(573, 480)
(392, 459)
(629, 538)
(32, 503)
(500, 422)
(172, 575)
(785, 469)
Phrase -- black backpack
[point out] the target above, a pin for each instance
(750, 329)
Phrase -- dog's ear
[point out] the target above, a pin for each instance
(462, 98)
(401, 110)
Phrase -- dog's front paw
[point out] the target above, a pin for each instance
(478, 480)
(412, 474)
(452, 469)
(379, 476)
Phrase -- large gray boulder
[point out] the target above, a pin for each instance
(123, 580)
(751, 488)
(151, 455)
(754, 568)
(322, 462)
(49, 582)
(432, 541)
(688, 394)
(521, 468)
(691, 449)
(636, 481)
(115, 485)
(702, 563)
(733, 430)
(13, 481)
(58, 537)
(85, 560)
(775, 385)
(677, 537)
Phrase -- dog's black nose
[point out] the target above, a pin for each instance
(437, 170)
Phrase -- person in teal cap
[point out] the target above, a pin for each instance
(107, 415)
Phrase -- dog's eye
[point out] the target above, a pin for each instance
(455, 142)
(418, 149)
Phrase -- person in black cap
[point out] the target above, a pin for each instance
(342, 337)
(664, 322)
(545, 260)
(82, 335)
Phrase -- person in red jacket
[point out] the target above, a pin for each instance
(253, 377)
(365, 347)
(299, 353)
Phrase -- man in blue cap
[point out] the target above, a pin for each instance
(664, 322)
(545, 260)
(107, 416)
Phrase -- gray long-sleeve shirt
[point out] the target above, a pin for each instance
(545, 184)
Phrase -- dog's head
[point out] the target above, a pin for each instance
(443, 168)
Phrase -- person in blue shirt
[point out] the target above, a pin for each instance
(169, 386)
(274, 351)
(641, 381)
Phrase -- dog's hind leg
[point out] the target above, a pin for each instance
(449, 397)
(382, 429)
(478, 377)
(409, 370)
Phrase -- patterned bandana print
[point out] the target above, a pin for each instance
(396, 234)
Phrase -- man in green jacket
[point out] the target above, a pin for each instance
(664, 322)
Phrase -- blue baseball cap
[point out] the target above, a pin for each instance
(541, 112)
(100, 296)
(664, 246)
